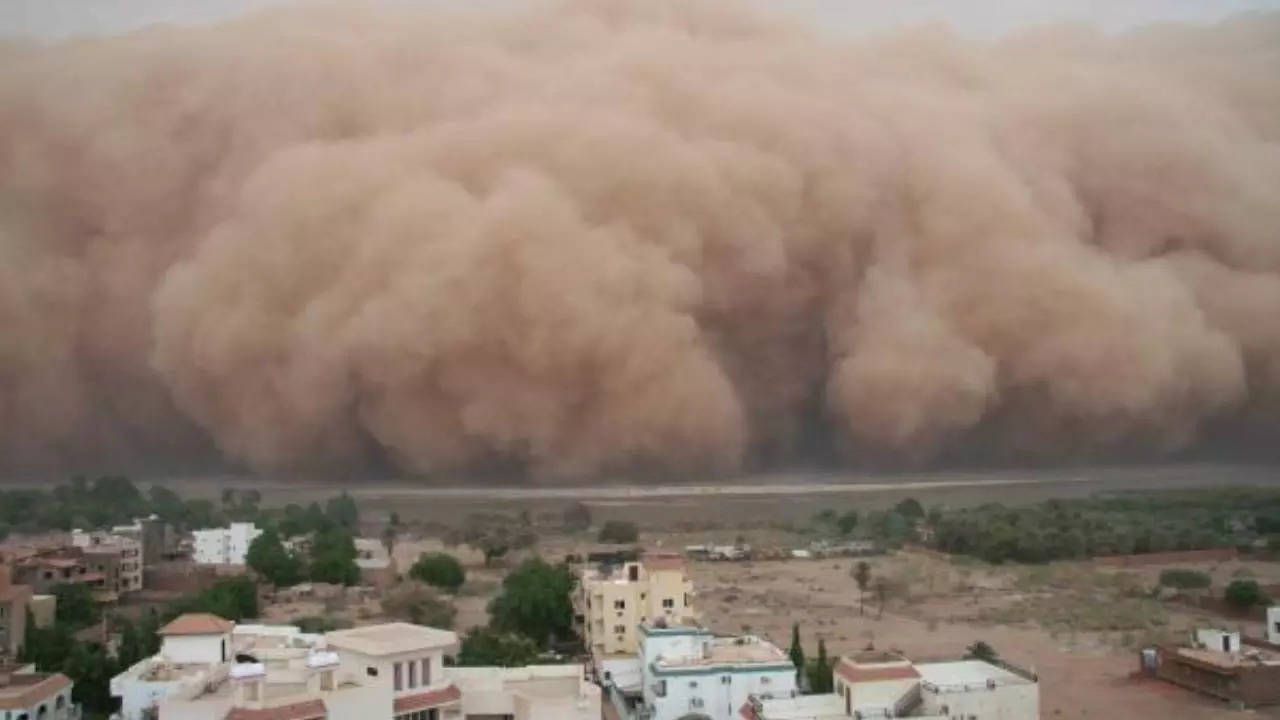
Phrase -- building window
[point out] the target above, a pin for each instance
(326, 680)
(426, 671)
(398, 679)
(413, 673)
(371, 671)
(620, 629)
(619, 604)
(668, 603)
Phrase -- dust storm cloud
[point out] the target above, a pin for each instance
(596, 236)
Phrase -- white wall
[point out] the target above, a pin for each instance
(223, 546)
(1273, 625)
(1020, 701)
(138, 695)
(197, 648)
(721, 694)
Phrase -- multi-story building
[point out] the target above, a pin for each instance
(614, 601)
(153, 533)
(29, 695)
(46, 570)
(690, 672)
(223, 546)
(14, 600)
(118, 558)
(209, 669)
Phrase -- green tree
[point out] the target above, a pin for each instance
(910, 508)
(980, 650)
(576, 517)
(796, 652)
(862, 576)
(1244, 594)
(166, 504)
(820, 680)
(293, 521)
(342, 511)
(268, 557)
(847, 522)
(619, 532)
(232, 598)
(333, 557)
(91, 669)
(535, 602)
(132, 647)
(483, 647)
(75, 606)
(493, 547)
(441, 570)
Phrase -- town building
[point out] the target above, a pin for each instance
(118, 558)
(875, 684)
(153, 533)
(375, 563)
(978, 689)
(689, 671)
(537, 692)
(14, 600)
(29, 695)
(210, 669)
(1221, 664)
(46, 570)
(223, 546)
(614, 601)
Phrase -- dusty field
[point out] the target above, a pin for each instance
(1076, 625)
(751, 502)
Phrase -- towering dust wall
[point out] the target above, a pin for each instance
(597, 236)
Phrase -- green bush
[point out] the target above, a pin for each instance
(619, 532)
(1244, 594)
(1184, 579)
(441, 570)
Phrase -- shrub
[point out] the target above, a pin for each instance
(619, 532)
(441, 570)
(1184, 579)
(1244, 594)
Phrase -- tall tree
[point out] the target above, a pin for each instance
(268, 557)
(820, 681)
(862, 576)
(797, 652)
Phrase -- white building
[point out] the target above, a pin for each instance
(537, 692)
(979, 690)
(223, 546)
(208, 669)
(886, 685)
(28, 695)
(688, 671)
(1273, 625)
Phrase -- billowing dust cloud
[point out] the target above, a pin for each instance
(599, 236)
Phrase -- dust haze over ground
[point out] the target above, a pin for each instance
(593, 236)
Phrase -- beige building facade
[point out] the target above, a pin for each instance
(614, 601)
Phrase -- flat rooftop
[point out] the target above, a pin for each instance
(730, 651)
(391, 639)
(966, 672)
(804, 707)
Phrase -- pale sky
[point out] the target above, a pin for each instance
(60, 18)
